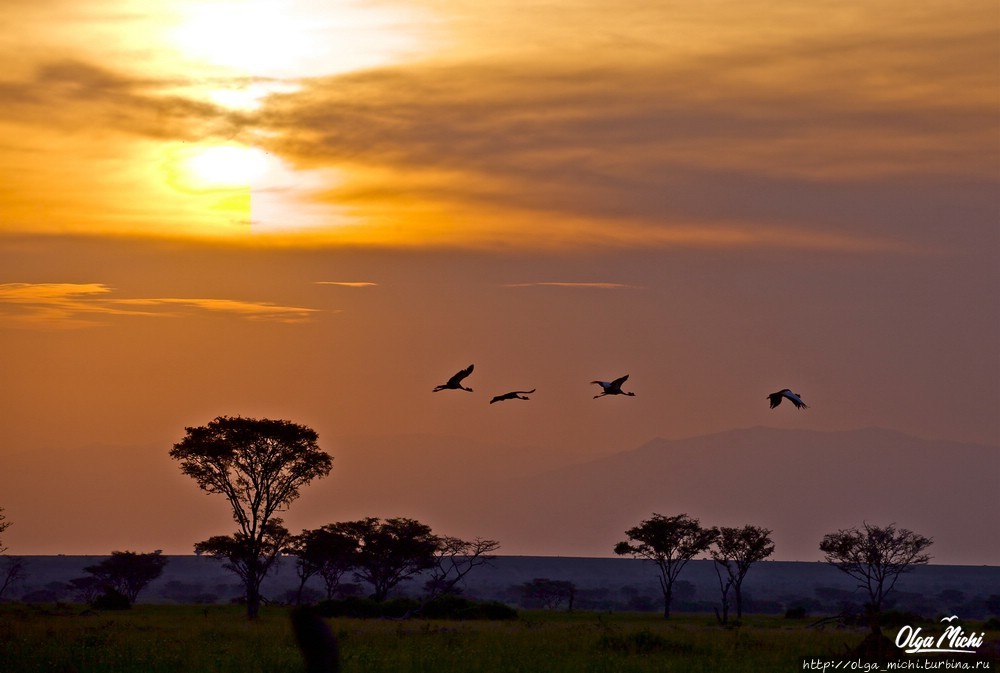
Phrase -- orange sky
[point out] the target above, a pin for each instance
(319, 211)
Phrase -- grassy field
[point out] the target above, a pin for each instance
(217, 639)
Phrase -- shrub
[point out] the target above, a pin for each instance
(111, 599)
(456, 607)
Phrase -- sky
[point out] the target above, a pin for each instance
(319, 211)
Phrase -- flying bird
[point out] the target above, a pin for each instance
(513, 395)
(788, 394)
(613, 388)
(455, 382)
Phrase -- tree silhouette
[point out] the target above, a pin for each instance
(4, 525)
(876, 557)
(669, 542)
(259, 466)
(548, 593)
(328, 552)
(735, 550)
(250, 558)
(390, 551)
(14, 569)
(454, 559)
(127, 572)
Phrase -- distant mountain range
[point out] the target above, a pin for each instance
(801, 484)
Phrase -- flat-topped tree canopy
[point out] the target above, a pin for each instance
(259, 465)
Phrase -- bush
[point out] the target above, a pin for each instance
(456, 607)
(353, 606)
(795, 613)
(111, 599)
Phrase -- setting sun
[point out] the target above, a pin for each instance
(226, 166)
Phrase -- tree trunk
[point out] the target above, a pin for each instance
(302, 586)
(739, 602)
(253, 597)
(666, 602)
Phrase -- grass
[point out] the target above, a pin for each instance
(218, 639)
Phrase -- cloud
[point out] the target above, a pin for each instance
(75, 305)
(346, 283)
(251, 310)
(69, 94)
(835, 139)
(749, 127)
(597, 286)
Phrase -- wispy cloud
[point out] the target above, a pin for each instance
(597, 286)
(76, 305)
(68, 94)
(252, 310)
(344, 283)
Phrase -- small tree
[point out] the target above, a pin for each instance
(328, 552)
(4, 525)
(14, 567)
(669, 542)
(388, 552)
(251, 559)
(127, 572)
(735, 550)
(454, 559)
(875, 557)
(550, 594)
(87, 589)
(259, 466)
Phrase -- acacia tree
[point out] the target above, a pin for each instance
(4, 525)
(875, 556)
(549, 593)
(390, 551)
(259, 465)
(250, 558)
(127, 572)
(669, 542)
(14, 570)
(734, 551)
(454, 559)
(326, 551)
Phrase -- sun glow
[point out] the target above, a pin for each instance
(289, 39)
(225, 166)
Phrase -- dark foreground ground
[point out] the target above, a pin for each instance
(218, 639)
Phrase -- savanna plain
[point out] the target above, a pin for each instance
(219, 639)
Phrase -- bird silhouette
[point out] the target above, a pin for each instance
(613, 388)
(455, 382)
(790, 396)
(513, 395)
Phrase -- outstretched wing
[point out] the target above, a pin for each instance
(795, 399)
(457, 378)
(617, 383)
(775, 399)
